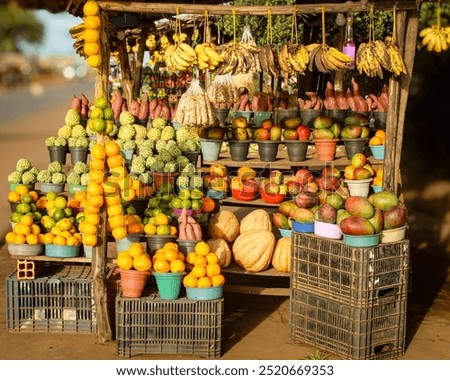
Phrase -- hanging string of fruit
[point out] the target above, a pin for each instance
(267, 56)
(239, 57)
(293, 57)
(179, 56)
(208, 57)
(396, 59)
(436, 38)
(326, 58)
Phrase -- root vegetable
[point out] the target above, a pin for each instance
(330, 99)
(151, 108)
(75, 103)
(143, 109)
(351, 100)
(313, 97)
(244, 100)
(361, 104)
(134, 108)
(182, 231)
(341, 100)
(255, 103)
(165, 109)
(190, 232)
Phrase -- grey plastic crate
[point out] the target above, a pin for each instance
(61, 300)
(354, 276)
(149, 325)
(375, 332)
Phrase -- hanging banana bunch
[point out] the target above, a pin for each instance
(397, 64)
(179, 56)
(293, 57)
(207, 56)
(267, 56)
(436, 38)
(326, 58)
(150, 42)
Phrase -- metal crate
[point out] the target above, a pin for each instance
(375, 332)
(59, 301)
(354, 276)
(149, 325)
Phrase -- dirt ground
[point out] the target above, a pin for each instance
(256, 327)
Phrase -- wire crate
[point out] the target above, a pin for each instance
(150, 325)
(354, 276)
(59, 301)
(367, 333)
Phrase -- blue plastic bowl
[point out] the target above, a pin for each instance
(53, 250)
(305, 227)
(285, 232)
(203, 294)
(377, 151)
(361, 240)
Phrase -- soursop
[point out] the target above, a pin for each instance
(182, 161)
(129, 145)
(78, 131)
(74, 178)
(138, 165)
(196, 181)
(140, 131)
(80, 168)
(55, 167)
(65, 131)
(44, 176)
(126, 117)
(170, 167)
(189, 169)
(58, 178)
(160, 145)
(126, 132)
(168, 133)
(183, 181)
(72, 117)
(158, 166)
(84, 179)
(50, 141)
(154, 134)
(149, 161)
(28, 178)
(182, 134)
(23, 165)
(15, 177)
(164, 155)
(146, 178)
(159, 122)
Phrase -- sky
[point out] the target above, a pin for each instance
(57, 40)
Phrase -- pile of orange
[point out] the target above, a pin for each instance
(134, 258)
(160, 225)
(378, 179)
(169, 259)
(25, 232)
(205, 271)
(91, 33)
(379, 138)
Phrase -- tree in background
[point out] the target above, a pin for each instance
(18, 25)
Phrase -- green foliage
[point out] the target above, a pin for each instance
(318, 355)
(18, 25)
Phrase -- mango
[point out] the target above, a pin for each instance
(358, 160)
(239, 134)
(306, 199)
(328, 182)
(239, 122)
(361, 173)
(276, 176)
(364, 132)
(216, 133)
(336, 128)
(280, 220)
(384, 200)
(341, 214)
(326, 213)
(292, 122)
(302, 215)
(286, 207)
(377, 220)
(395, 217)
(335, 200)
(261, 134)
(359, 206)
(356, 119)
(322, 122)
(323, 134)
(356, 225)
(275, 133)
(351, 132)
(290, 134)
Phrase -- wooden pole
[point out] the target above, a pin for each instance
(139, 64)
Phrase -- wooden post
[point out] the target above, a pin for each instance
(127, 82)
(104, 333)
(139, 63)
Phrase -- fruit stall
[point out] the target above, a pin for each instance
(211, 162)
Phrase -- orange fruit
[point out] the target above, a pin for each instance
(218, 280)
(112, 148)
(135, 228)
(375, 140)
(161, 219)
(92, 22)
(159, 254)
(94, 188)
(202, 248)
(91, 8)
(93, 219)
(91, 35)
(190, 281)
(204, 282)
(212, 269)
(163, 229)
(190, 258)
(200, 260)
(96, 200)
(65, 224)
(177, 266)
(125, 183)
(173, 230)
(56, 231)
(13, 196)
(125, 261)
(80, 195)
(34, 195)
(31, 239)
(22, 189)
(97, 164)
(48, 238)
(22, 229)
(212, 258)
(19, 239)
(161, 266)
(66, 234)
(98, 151)
(150, 229)
(89, 240)
(9, 238)
(142, 263)
(128, 194)
(117, 221)
(112, 199)
(135, 249)
(198, 271)
(377, 181)
(170, 254)
(59, 240)
(115, 161)
(111, 188)
(96, 175)
(181, 256)
(119, 233)
(35, 229)
(27, 220)
(72, 240)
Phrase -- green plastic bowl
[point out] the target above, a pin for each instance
(204, 294)
(361, 240)
(53, 250)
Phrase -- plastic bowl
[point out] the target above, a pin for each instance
(216, 194)
(186, 246)
(359, 187)
(396, 234)
(284, 232)
(305, 227)
(203, 294)
(361, 240)
(53, 250)
(272, 198)
(25, 249)
(48, 187)
(243, 195)
(377, 151)
(376, 189)
(327, 230)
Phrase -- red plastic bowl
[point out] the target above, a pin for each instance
(244, 195)
(272, 198)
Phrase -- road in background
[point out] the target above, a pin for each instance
(28, 116)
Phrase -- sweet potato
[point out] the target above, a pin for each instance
(330, 99)
(319, 103)
(134, 108)
(197, 231)
(75, 103)
(341, 100)
(244, 100)
(143, 109)
(351, 100)
(255, 103)
(189, 232)
(313, 97)
(165, 109)
(182, 231)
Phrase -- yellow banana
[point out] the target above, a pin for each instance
(189, 52)
(213, 54)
